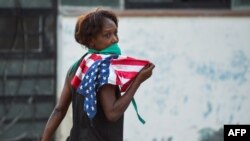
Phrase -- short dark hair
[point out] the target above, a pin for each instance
(90, 24)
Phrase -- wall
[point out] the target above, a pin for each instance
(201, 80)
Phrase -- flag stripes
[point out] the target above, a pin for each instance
(96, 70)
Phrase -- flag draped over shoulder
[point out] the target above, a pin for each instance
(96, 70)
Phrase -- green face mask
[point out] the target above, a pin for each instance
(112, 49)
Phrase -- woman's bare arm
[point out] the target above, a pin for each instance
(113, 107)
(59, 112)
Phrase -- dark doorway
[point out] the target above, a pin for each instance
(27, 68)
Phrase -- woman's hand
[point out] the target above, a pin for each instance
(145, 73)
(114, 107)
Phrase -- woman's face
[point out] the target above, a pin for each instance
(106, 37)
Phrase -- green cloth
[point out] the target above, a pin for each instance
(112, 49)
(115, 49)
(136, 110)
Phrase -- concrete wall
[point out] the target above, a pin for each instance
(201, 80)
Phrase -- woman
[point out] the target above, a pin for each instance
(97, 31)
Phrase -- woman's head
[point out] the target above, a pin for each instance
(97, 29)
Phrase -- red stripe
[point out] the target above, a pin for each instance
(83, 63)
(95, 57)
(125, 86)
(119, 74)
(127, 75)
(75, 82)
(129, 61)
(85, 69)
(118, 81)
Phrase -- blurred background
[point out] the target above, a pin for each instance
(201, 49)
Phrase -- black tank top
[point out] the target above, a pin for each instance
(97, 129)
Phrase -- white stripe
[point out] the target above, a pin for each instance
(104, 55)
(89, 62)
(124, 80)
(79, 72)
(121, 57)
(112, 76)
(87, 56)
(127, 68)
(83, 74)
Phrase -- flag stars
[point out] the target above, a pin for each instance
(90, 80)
(96, 76)
(86, 84)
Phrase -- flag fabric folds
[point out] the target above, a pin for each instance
(96, 70)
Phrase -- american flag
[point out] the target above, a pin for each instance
(96, 70)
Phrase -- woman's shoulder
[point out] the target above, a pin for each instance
(73, 68)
